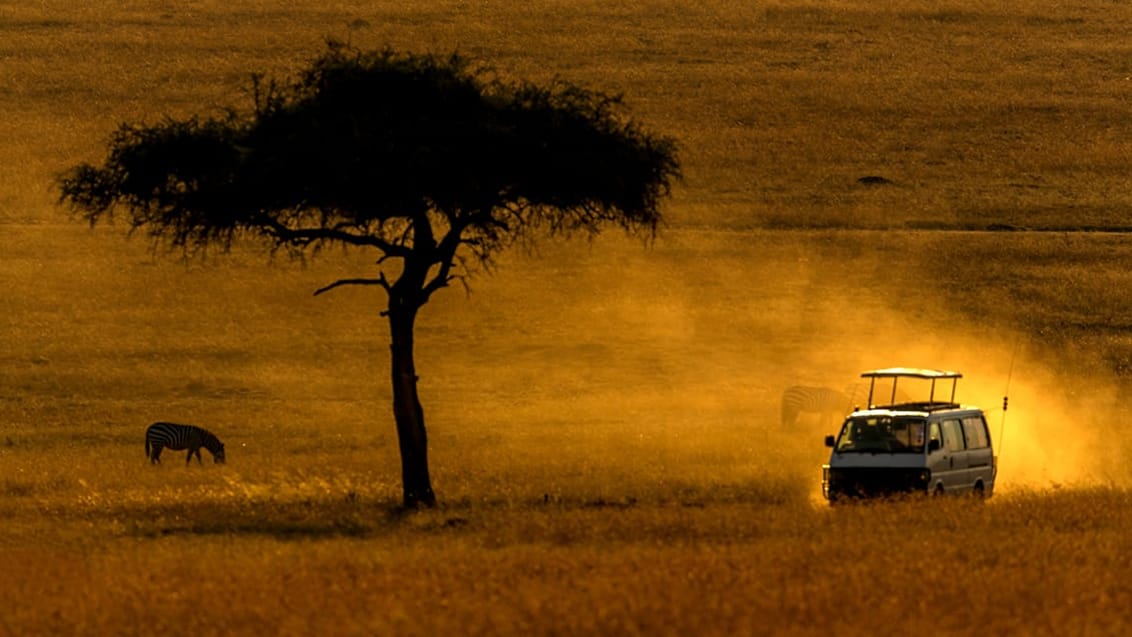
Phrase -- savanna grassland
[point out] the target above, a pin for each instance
(603, 415)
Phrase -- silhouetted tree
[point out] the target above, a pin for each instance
(432, 162)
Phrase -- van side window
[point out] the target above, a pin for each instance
(935, 435)
(975, 428)
(953, 435)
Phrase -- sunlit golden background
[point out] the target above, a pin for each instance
(603, 416)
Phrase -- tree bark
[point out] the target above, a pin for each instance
(407, 411)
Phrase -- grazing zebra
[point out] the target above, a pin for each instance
(828, 403)
(179, 437)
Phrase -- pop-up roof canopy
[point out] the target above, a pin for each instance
(896, 373)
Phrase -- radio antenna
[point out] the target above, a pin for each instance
(1006, 394)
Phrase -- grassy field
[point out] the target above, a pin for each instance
(603, 416)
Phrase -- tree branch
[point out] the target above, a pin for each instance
(340, 282)
(445, 255)
(307, 236)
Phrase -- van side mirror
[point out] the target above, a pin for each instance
(933, 445)
(830, 441)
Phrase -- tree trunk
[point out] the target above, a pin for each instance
(407, 411)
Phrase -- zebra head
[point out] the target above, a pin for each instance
(218, 457)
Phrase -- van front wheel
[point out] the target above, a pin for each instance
(938, 490)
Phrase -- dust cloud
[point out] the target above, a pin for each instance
(668, 362)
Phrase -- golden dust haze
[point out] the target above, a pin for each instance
(603, 415)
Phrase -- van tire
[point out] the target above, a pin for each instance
(938, 490)
(979, 492)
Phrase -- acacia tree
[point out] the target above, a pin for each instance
(432, 162)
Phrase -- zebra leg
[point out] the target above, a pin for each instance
(155, 455)
(189, 458)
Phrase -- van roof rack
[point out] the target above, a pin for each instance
(923, 406)
(896, 373)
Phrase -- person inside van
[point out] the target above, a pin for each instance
(907, 435)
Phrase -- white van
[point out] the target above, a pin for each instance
(935, 446)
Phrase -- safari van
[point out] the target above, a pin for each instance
(935, 446)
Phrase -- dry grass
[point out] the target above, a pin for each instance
(716, 564)
(603, 418)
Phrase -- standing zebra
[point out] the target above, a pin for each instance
(828, 403)
(179, 437)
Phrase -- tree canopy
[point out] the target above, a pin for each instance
(364, 148)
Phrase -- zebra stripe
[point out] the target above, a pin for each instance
(824, 401)
(180, 437)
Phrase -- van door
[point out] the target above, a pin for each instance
(957, 445)
(939, 457)
(980, 456)
(957, 456)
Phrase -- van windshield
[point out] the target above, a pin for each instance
(872, 434)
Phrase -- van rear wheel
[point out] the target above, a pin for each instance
(938, 490)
